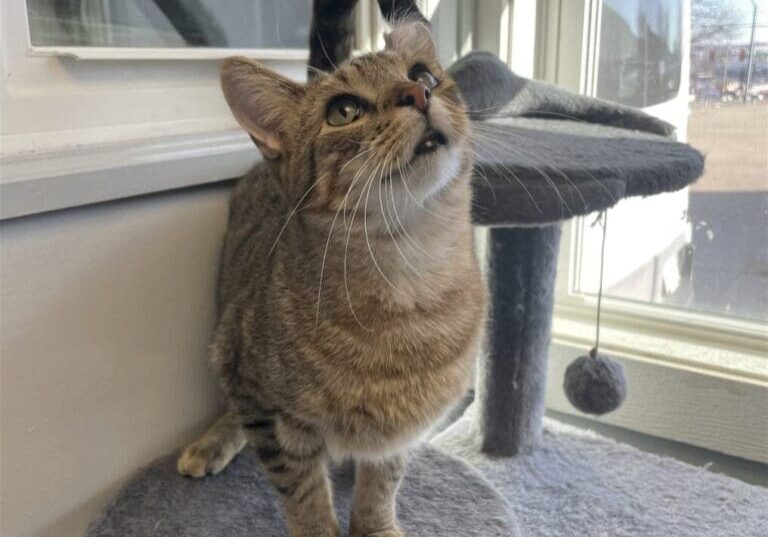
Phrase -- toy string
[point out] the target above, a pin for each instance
(603, 219)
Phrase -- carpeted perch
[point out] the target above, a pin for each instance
(440, 495)
(579, 484)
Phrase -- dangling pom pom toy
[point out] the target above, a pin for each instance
(595, 384)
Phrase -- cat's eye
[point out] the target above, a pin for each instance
(343, 111)
(420, 73)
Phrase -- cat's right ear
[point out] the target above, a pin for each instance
(262, 101)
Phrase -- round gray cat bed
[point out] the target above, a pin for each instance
(440, 495)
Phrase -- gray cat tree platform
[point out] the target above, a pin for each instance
(579, 484)
(441, 496)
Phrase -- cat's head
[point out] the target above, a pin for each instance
(382, 129)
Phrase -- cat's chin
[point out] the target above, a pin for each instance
(431, 172)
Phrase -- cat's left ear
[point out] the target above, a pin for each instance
(412, 39)
(262, 101)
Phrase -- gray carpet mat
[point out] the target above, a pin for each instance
(440, 497)
(580, 484)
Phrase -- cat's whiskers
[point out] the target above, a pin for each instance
(400, 221)
(313, 69)
(493, 136)
(356, 156)
(386, 223)
(486, 133)
(477, 137)
(292, 214)
(404, 180)
(356, 141)
(559, 172)
(301, 200)
(581, 167)
(328, 242)
(346, 247)
(482, 174)
(497, 163)
(492, 112)
(355, 177)
(367, 239)
(322, 45)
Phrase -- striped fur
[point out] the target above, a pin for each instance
(350, 301)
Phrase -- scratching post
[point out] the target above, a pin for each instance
(521, 277)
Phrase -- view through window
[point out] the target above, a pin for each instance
(704, 249)
(256, 24)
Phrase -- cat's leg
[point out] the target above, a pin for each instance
(294, 455)
(373, 507)
(215, 449)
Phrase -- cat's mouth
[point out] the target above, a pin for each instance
(430, 142)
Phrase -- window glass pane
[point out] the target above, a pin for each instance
(704, 249)
(640, 51)
(256, 24)
(729, 208)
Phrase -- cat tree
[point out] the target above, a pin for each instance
(570, 155)
(549, 170)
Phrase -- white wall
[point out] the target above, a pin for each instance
(105, 315)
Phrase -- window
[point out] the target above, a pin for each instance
(82, 73)
(706, 249)
(640, 51)
(244, 24)
(685, 306)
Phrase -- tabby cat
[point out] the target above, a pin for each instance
(350, 301)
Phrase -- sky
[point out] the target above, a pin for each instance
(629, 9)
(761, 33)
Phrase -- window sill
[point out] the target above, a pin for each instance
(180, 53)
(692, 389)
(721, 345)
(47, 181)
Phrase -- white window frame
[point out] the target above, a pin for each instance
(694, 378)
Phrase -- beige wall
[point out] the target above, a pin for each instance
(105, 315)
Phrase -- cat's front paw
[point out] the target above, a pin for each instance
(203, 458)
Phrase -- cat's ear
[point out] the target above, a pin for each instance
(262, 101)
(412, 39)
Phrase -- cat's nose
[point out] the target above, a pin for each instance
(414, 94)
